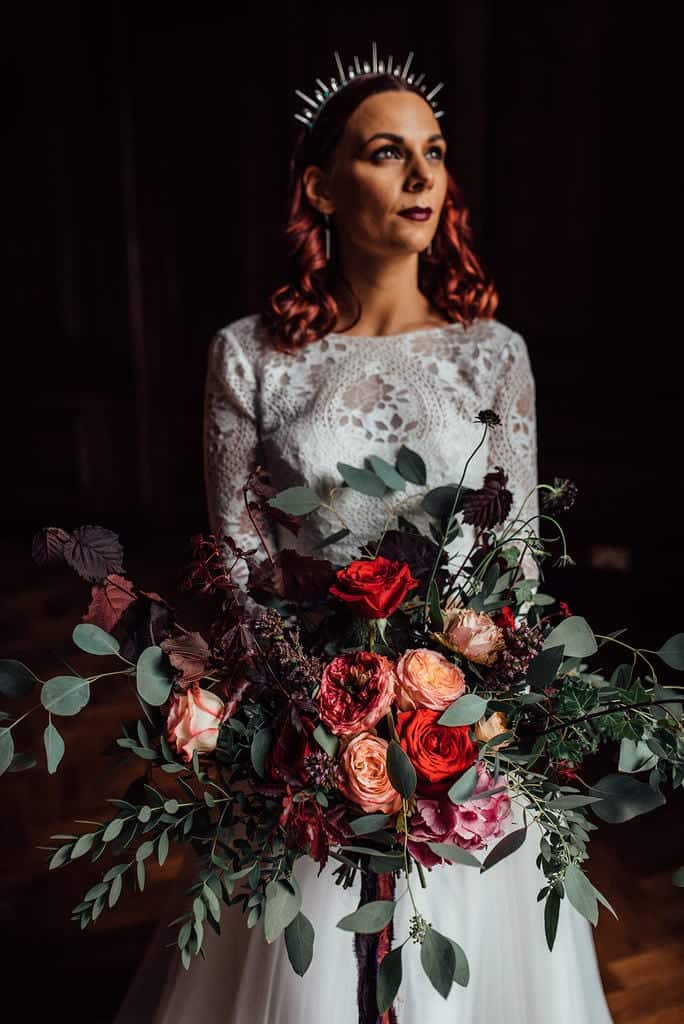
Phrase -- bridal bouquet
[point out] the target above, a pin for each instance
(385, 713)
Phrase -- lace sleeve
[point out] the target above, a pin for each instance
(513, 444)
(232, 448)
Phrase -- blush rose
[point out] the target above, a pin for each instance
(193, 722)
(475, 635)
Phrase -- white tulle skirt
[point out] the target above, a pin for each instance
(495, 918)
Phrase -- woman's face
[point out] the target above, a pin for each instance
(390, 158)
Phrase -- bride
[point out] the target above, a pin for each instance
(384, 335)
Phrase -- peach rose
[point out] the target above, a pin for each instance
(426, 679)
(366, 781)
(486, 728)
(475, 635)
(193, 722)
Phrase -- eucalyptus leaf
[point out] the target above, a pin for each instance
(624, 797)
(6, 748)
(369, 823)
(283, 903)
(455, 853)
(387, 473)
(465, 710)
(543, 668)
(400, 770)
(461, 967)
(261, 742)
(551, 915)
(54, 747)
(635, 756)
(438, 957)
(152, 680)
(362, 480)
(463, 787)
(504, 848)
(296, 501)
(672, 651)
(369, 917)
(65, 695)
(581, 893)
(326, 740)
(94, 640)
(299, 942)
(576, 636)
(388, 979)
(411, 466)
(16, 679)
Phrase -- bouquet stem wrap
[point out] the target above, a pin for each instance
(371, 949)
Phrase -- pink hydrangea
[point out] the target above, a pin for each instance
(470, 825)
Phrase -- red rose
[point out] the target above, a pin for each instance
(565, 611)
(285, 759)
(356, 691)
(374, 588)
(439, 753)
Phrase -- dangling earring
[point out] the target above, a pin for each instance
(327, 235)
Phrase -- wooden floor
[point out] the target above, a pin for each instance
(49, 966)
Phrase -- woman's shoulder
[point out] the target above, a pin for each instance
(508, 344)
(240, 342)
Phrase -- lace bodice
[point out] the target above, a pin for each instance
(344, 398)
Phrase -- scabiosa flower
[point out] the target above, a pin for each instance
(489, 417)
(560, 498)
(491, 504)
(520, 646)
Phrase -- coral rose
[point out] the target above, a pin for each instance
(426, 679)
(193, 721)
(356, 690)
(475, 635)
(439, 753)
(366, 781)
(487, 728)
(374, 588)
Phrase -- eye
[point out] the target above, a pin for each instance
(392, 148)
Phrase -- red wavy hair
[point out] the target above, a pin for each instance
(304, 310)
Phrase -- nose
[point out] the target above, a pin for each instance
(421, 176)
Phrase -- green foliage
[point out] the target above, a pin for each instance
(296, 501)
(389, 978)
(400, 770)
(299, 942)
(576, 636)
(465, 710)
(65, 695)
(438, 957)
(369, 918)
(152, 679)
(16, 680)
(94, 640)
(463, 787)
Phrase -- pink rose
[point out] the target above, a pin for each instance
(469, 825)
(366, 781)
(426, 679)
(356, 691)
(475, 635)
(193, 721)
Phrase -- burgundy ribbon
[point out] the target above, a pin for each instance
(371, 949)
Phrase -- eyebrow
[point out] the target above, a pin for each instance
(400, 138)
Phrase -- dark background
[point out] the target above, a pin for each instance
(143, 188)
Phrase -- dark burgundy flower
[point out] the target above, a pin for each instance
(491, 504)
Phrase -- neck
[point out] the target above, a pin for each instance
(387, 289)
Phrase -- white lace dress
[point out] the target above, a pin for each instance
(339, 400)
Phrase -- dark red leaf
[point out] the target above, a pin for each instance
(109, 601)
(189, 654)
(47, 547)
(94, 552)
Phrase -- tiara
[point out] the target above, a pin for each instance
(309, 114)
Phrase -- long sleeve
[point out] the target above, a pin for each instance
(232, 448)
(513, 444)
